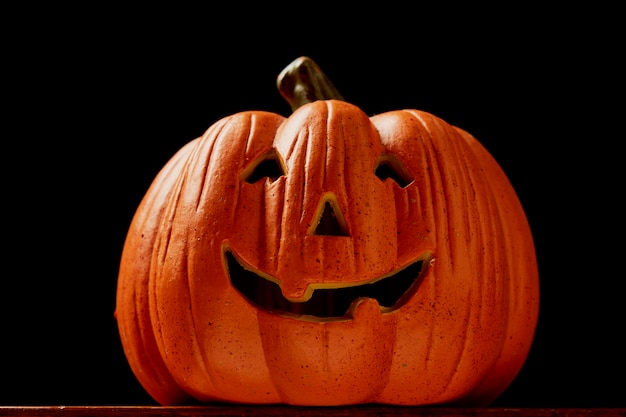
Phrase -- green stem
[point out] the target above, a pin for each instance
(303, 82)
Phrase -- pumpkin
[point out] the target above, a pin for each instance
(328, 258)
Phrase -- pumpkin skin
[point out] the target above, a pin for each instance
(193, 332)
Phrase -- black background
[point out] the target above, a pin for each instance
(96, 101)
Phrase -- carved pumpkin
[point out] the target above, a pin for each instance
(328, 258)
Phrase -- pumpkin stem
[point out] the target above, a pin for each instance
(303, 82)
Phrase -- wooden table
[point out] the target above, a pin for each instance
(276, 411)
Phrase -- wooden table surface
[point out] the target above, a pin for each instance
(275, 411)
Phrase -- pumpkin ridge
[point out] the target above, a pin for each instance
(210, 136)
(492, 289)
(142, 348)
(160, 317)
(191, 181)
(461, 215)
(450, 391)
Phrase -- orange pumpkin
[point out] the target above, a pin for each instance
(328, 258)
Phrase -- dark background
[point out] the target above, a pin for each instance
(96, 101)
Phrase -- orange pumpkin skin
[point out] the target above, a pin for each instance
(459, 337)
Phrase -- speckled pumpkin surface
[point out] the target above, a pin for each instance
(328, 258)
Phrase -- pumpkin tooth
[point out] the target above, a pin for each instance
(391, 291)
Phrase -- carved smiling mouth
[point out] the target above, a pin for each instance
(391, 292)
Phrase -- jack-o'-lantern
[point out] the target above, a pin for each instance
(328, 258)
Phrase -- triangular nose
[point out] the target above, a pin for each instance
(331, 222)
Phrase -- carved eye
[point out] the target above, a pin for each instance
(269, 166)
(389, 166)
